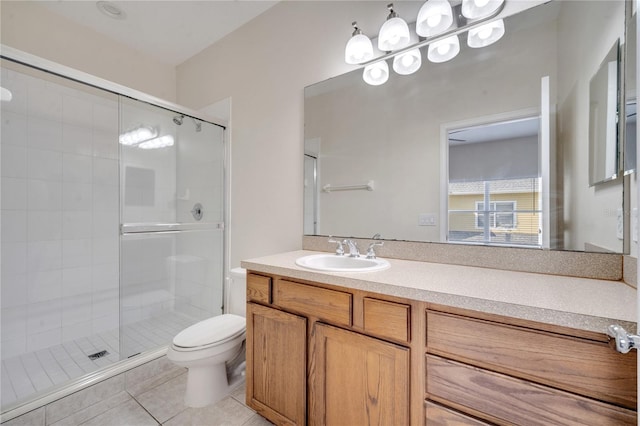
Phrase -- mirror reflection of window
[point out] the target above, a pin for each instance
(494, 194)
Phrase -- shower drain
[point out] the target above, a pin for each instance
(98, 355)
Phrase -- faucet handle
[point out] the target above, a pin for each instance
(371, 254)
(339, 248)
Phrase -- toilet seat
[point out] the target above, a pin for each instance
(210, 332)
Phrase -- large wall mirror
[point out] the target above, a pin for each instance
(491, 147)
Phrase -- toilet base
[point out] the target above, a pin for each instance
(206, 385)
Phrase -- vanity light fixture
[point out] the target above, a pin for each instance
(444, 50)
(486, 34)
(478, 9)
(161, 142)
(359, 48)
(407, 63)
(438, 25)
(138, 135)
(434, 17)
(5, 94)
(376, 73)
(394, 33)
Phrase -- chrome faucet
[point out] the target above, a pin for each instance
(371, 254)
(353, 248)
(339, 248)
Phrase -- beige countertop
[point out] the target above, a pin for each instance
(586, 304)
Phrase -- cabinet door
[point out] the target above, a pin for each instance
(276, 364)
(357, 380)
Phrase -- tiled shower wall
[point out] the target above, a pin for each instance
(60, 213)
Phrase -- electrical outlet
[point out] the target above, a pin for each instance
(427, 219)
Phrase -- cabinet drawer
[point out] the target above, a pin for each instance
(258, 288)
(583, 366)
(387, 319)
(437, 415)
(330, 305)
(500, 398)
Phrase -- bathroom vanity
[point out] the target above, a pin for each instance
(425, 343)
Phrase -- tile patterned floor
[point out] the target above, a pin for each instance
(27, 374)
(150, 394)
(160, 405)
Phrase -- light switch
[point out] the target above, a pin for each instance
(427, 219)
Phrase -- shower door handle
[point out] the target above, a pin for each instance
(148, 228)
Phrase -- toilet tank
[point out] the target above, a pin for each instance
(237, 292)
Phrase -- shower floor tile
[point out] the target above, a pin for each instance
(29, 373)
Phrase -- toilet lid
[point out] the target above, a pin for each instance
(212, 330)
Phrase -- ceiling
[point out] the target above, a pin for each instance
(169, 31)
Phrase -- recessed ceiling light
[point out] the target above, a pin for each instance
(111, 10)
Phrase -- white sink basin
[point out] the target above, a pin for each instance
(334, 263)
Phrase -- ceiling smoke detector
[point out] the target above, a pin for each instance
(111, 10)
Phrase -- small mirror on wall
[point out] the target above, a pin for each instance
(630, 100)
(603, 122)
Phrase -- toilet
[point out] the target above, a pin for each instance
(205, 348)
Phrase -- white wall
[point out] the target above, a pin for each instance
(590, 214)
(34, 29)
(264, 67)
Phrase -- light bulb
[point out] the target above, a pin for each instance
(5, 94)
(444, 50)
(138, 135)
(408, 62)
(376, 73)
(359, 48)
(434, 17)
(161, 142)
(394, 33)
(478, 9)
(486, 34)
(434, 20)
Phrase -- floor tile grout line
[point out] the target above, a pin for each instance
(147, 411)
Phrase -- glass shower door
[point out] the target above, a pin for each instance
(172, 224)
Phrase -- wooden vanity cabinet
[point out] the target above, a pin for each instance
(321, 356)
(507, 371)
(357, 380)
(276, 364)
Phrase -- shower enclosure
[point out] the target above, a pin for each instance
(112, 228)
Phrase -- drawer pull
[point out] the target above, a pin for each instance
(624, 341)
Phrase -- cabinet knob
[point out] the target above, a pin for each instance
(624, 341)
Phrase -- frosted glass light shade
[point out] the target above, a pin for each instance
(393, 35)
(444, 50)
(376, 73)
(359, 49)
(477, 9)
(434, 17)
(486, 34)
(407, 63)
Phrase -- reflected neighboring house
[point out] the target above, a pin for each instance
(513, 213)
